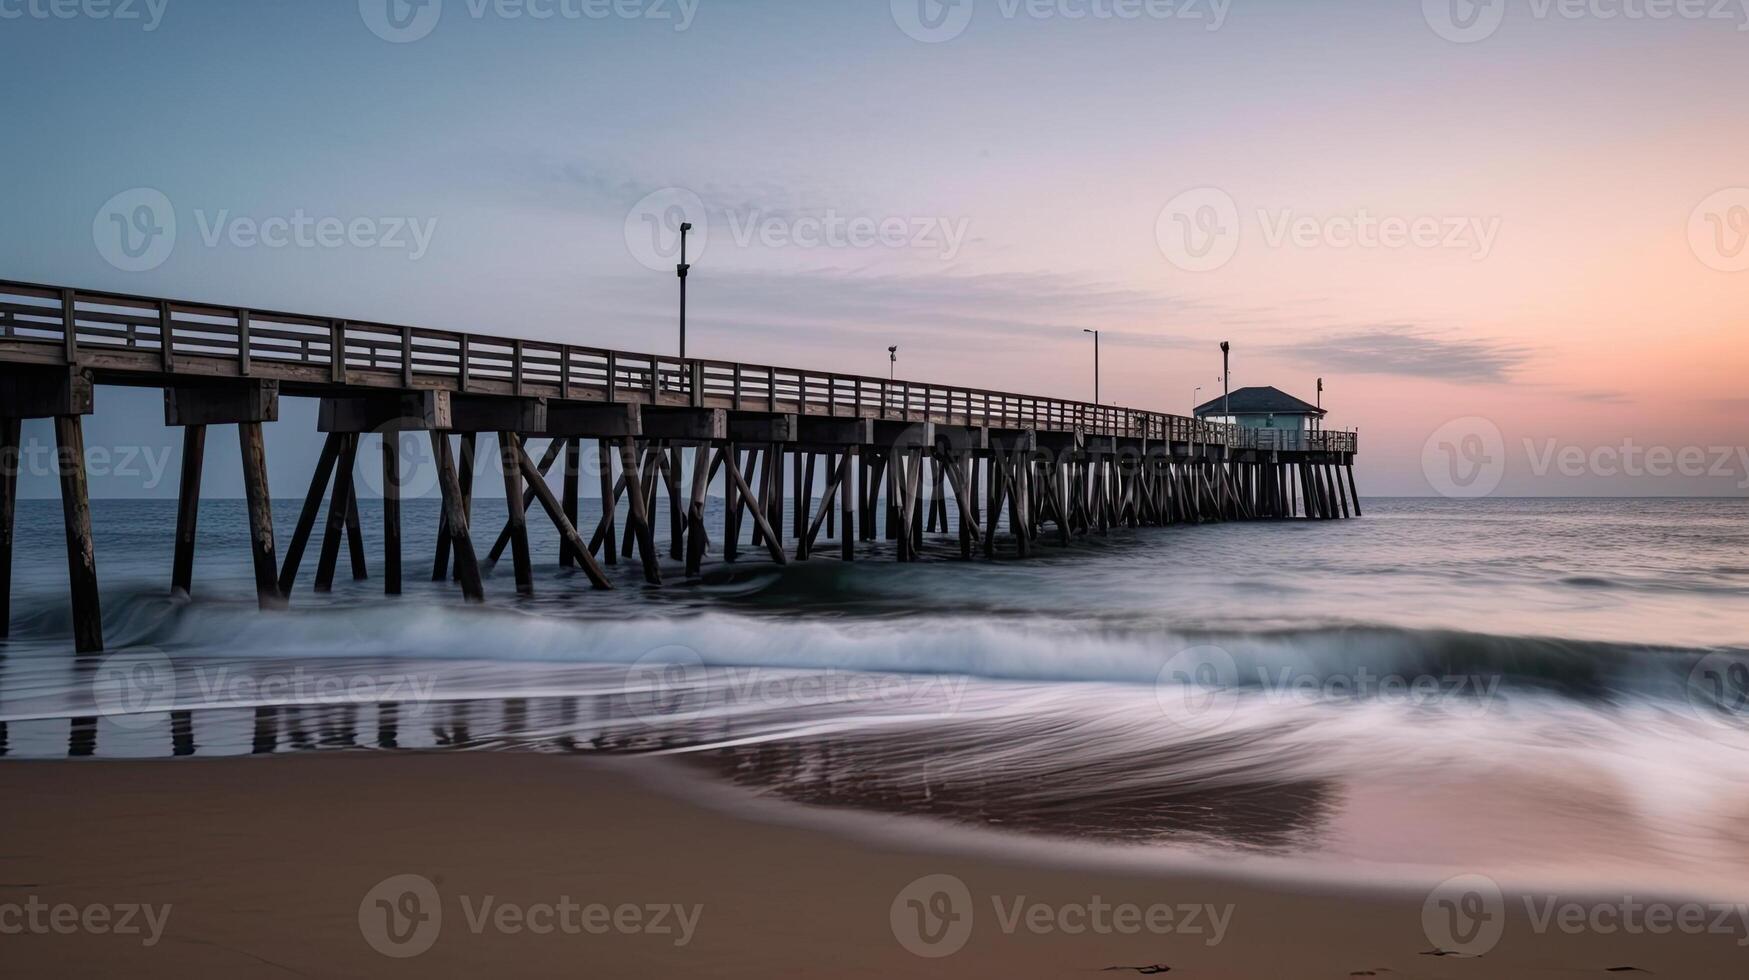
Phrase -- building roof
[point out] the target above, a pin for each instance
(1259, 400)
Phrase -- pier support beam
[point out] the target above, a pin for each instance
(81, 551)
(455, 511)
(391, 513)
(10, 435)
(187, 510)
(245, 404)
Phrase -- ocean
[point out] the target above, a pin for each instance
(1536, 689)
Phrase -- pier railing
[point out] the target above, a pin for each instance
(129, 333)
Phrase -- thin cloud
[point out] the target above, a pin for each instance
(1408, 352)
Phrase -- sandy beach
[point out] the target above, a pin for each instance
(542, 865)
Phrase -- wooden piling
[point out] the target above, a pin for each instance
(696, 538)
(573, 462)
(81, 550)
(307, 518)
(259, 500)
(467, 567)
(187, 510)
(555, 511)
(509, 449)
(391, 513)
(339, 505)
(609, 502)
(639, 519)
(847, 504)
(11, 429)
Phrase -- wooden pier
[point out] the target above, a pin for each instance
(895, 457)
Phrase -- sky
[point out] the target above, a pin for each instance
(1511, 236)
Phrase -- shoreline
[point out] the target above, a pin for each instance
(269, 866)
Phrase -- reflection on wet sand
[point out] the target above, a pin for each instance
(967, 771)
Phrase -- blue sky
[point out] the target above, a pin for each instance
(1027, 161)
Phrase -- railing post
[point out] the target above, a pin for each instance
(697, 371)
(564, 370)
(655, 380)
(612, 376)
(516, 367)
(406, 357)
(735, 392)
(337, 351)
(166, 337)
(243, 343)
(462, 365)
(70, 326)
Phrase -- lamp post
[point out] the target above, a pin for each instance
(1194, 400)
(892, 361)
(1095, 334)
(1317, 420)
(683, 268)
(1226, 372)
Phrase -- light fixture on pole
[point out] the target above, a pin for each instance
(892, 361)
(1226, 373)
(1194, 402)
(1095, 334)
(683, 268)
(1317, 420)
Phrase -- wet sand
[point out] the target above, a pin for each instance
(274, 867)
